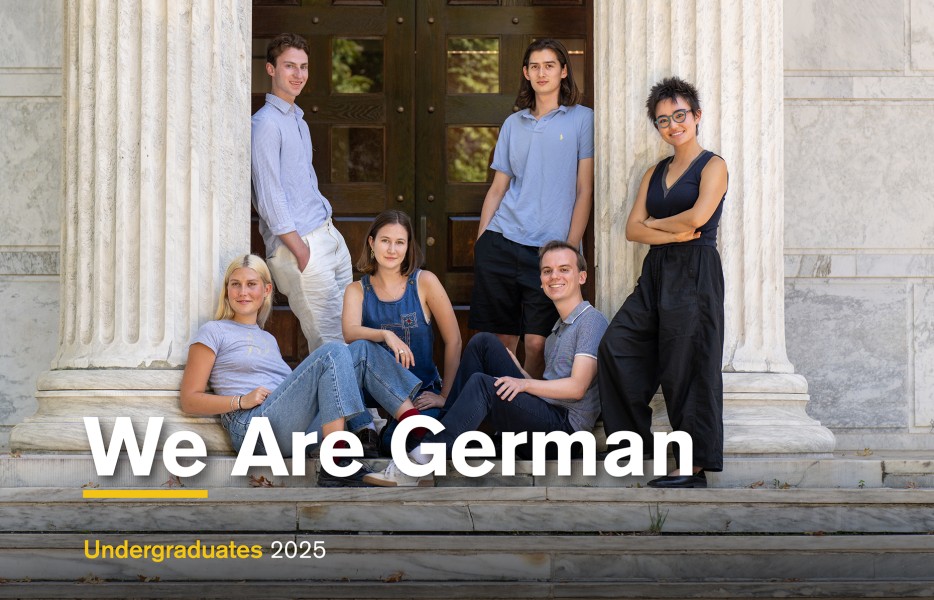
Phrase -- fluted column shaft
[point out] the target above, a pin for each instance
(156, 182)
(732, 51)
(155, 186)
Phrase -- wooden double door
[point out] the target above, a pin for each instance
(404, 101)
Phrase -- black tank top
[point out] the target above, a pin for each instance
(661, 203)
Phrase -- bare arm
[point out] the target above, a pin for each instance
(441, 310)
(494, 196)
(582, 203)
(353, 329)
(570, 389)
(194, 399)
(712, 188)
(638, 231)
(518, 364)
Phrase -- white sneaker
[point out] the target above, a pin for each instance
(392, 476)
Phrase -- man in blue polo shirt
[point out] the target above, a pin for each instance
(306, 254)
(542, 190)
(490, 382)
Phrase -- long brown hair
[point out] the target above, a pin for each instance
(413, 256)
(568, 95)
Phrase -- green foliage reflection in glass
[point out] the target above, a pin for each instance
(473, 65)
(356, 66)
(470, 152)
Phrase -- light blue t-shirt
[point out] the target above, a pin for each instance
(246, 357)
(540, 157)
(579, 334)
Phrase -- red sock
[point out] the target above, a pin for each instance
(341, 444)
(419, 432)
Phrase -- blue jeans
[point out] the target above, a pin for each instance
(387, 432)
(377, 373)
(473, 398)
(323, 388)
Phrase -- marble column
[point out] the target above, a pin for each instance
(156, 184)
(732, 51)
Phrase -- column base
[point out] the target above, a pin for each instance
(67, 396)
(764, 415)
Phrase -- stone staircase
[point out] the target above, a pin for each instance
(538, 539)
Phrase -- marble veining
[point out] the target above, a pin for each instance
(834, 198)
(923, 345)
(29, 262)
(31, 34)
(30, 169)
(33, 326)
(844, 35)
(922, 34)
(863, 382)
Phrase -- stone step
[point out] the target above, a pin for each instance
(475, 542)
(842, 590)
(479, 566)
(453, 510)
(849, 471)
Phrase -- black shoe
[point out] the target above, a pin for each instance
(325, 479)
(697, 480)
(370, 440)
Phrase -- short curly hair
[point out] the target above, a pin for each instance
(283, 42)
(672, 88)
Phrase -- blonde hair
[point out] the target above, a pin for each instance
(247, 261)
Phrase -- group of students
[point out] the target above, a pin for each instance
(371, 340)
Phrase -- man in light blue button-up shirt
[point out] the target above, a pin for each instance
(308, 257)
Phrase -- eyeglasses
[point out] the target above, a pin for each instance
(678, 116)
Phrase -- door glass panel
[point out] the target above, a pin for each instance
(577, 48)
(357, 65)
(470, 152)
(473, 65)
(356, 154)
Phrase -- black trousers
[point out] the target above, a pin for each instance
(669, 331)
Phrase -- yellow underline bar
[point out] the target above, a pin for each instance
(145, 494)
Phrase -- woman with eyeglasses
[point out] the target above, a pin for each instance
(542, 190)
(669, 330)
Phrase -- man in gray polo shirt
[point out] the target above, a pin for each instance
(490, 382)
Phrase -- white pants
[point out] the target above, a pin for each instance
(316, 295)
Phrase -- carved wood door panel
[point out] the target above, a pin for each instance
(404, 102)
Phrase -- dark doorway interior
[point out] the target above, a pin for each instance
(404, 102)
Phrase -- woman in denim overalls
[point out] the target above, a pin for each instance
(394, 304)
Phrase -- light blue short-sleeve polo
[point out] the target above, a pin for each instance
(540, 157)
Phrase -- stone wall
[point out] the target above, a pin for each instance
(30, 199)
(859, 222)
(859, 216)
